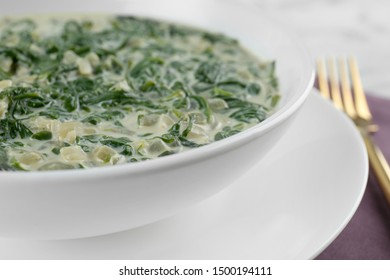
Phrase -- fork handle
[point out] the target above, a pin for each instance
(379, 165)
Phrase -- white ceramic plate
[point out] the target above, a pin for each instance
(315, 179)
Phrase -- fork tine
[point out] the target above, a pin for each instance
(362, 109)
(322, 79)
(346, 90)
(357, 109)
(334, 85)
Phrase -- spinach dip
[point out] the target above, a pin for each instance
(87, 91)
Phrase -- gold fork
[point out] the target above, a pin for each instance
(355, 106)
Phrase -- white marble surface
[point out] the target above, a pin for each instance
(341, 27)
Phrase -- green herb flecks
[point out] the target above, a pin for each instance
(86, 91)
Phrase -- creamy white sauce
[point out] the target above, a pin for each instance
(174, 118)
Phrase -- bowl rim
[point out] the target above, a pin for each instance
(196, 154)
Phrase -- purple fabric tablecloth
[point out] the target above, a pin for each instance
(367, 236)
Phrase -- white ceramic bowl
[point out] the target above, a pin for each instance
(81, 203)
